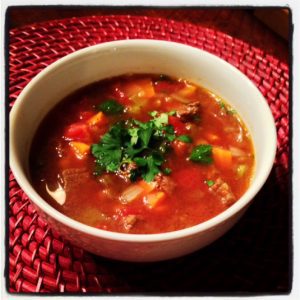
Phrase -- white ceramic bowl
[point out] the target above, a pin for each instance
(140, 56)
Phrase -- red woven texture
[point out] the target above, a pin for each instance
(39, 259)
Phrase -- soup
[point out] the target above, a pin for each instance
(142, 154)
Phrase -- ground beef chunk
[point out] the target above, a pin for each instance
(222, 190)
(164, 183)
(188, 112)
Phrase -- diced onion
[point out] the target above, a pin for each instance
(131, 193)
(237, 151)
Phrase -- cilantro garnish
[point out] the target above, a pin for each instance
(228, 111)
(209, 182)
(167, 171)
(110, 107)
(202, 154)
(185, 138)
(142, 143)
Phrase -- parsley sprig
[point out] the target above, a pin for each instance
(142, 143)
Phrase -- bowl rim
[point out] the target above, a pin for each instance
(242, 202)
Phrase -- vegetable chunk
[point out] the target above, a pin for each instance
(81, 150)
(222, 158)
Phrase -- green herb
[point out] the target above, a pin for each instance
(167, 171)
(144, 143)
(172, 113)
(111, 107)
(202, 154)
(161, 120)
(209, 182)
(153, 113)
(185, 138)
(108, 152)
(222, 105)
(229, 111)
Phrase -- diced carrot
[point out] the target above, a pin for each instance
(153, 199)
(187, 91)
(78, 132)
(98, 119)
(211, 137)
(222, 158)
(80, 149)
(180, 148)
(139, 88)
(147, 186)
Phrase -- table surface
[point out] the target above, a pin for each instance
(265, 268)
(239, 23)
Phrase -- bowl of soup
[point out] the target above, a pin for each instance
(141, 150)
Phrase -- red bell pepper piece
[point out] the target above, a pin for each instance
(78, 132)
(179, 126)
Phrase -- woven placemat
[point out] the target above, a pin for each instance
(253, 257)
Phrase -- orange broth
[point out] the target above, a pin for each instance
(63, 167)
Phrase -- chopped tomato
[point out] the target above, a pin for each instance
(180, 148)
(85, 115)
(119, 95)
(189, 178)
(78, 132)
(179, 126)
(166, 86)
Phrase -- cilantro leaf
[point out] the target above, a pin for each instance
(172, 113)
(161, 120)
(110, 107)
(209, 182)
(167, 171)
(151, 169)
(153, 113)
(133, 132)
(185, 138)
(108, 152)
(145, 134)
(202, 154)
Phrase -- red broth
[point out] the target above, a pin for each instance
(202, 167)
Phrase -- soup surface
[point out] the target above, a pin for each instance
(142, 154)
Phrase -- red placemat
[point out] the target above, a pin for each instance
(253, 257)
